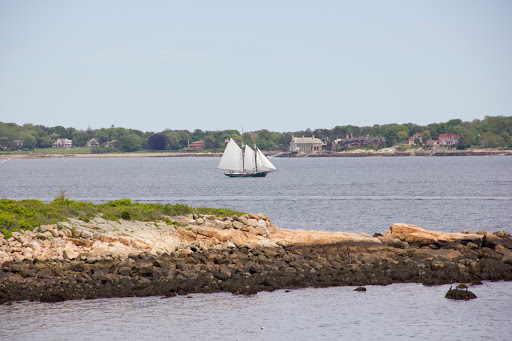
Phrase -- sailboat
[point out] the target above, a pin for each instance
(251, 163)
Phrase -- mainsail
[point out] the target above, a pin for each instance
(249, 160)
(232, 158)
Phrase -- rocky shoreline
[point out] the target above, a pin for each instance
(242, 255)
(411, 152)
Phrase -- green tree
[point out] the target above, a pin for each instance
(507, 139)
(436, 129)
(425, 136)
(249, 139)
(390, 136)
(197, 135)
(402, 136)
(68, 133)
(59, 130)
(339, 132)
(43, 142)
(4, 141)
(158, 142)
(102, 136)
(210, 142)
(496, 124)
(264, 140)
(491, 140)
(452, 123)
(221, 135)
(177, 139)
(29, 142)
(284, 141)
(130, 142)
(467, 137)
(80, 138)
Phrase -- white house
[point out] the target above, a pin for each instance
(93, 143)
(66, 143)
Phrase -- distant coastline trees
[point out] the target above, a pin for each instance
(491, 132)
(158, 142)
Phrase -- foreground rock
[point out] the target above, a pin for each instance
(242, 255)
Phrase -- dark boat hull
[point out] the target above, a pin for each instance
(246, 175)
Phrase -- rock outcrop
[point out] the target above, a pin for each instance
(67, 240)
(459, 294)
(418, 236)
(203, 253)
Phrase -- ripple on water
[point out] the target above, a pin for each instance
(394, 312)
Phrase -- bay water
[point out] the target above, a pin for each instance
(335, 194)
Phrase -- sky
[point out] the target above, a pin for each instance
(278, 65)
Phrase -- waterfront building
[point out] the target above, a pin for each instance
(195, 145)
(306, 145)
(93, 143)
(66, 143)
(449, 139)
(414, 137)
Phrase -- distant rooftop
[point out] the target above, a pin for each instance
(303, 139)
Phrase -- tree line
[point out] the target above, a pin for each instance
(491, 132)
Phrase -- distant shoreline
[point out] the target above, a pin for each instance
(353, 153)
(368, 153)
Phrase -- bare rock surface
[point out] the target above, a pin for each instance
(415, 235)
(76, 259)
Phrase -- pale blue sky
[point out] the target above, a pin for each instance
(279, 65)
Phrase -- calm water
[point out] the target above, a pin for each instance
(335, 194)
(395, 312)
(344, 194)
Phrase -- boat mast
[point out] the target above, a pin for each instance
(256, 157)
(243, 156)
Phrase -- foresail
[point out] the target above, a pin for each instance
(249, 163)
(232, 157)
(263, 163)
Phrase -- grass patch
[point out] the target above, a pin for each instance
(75, 150)
(27, 214)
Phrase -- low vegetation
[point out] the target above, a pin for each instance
(26, 214)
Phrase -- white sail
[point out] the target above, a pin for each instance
(249, 159)
(232, 157)
(263, 163)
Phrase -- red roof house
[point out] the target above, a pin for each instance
(448, 139)
(195, 145)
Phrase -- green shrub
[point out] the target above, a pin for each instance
(27, 214)
(126, 215)
(110, 216)
(7, 233)
(120, 202)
